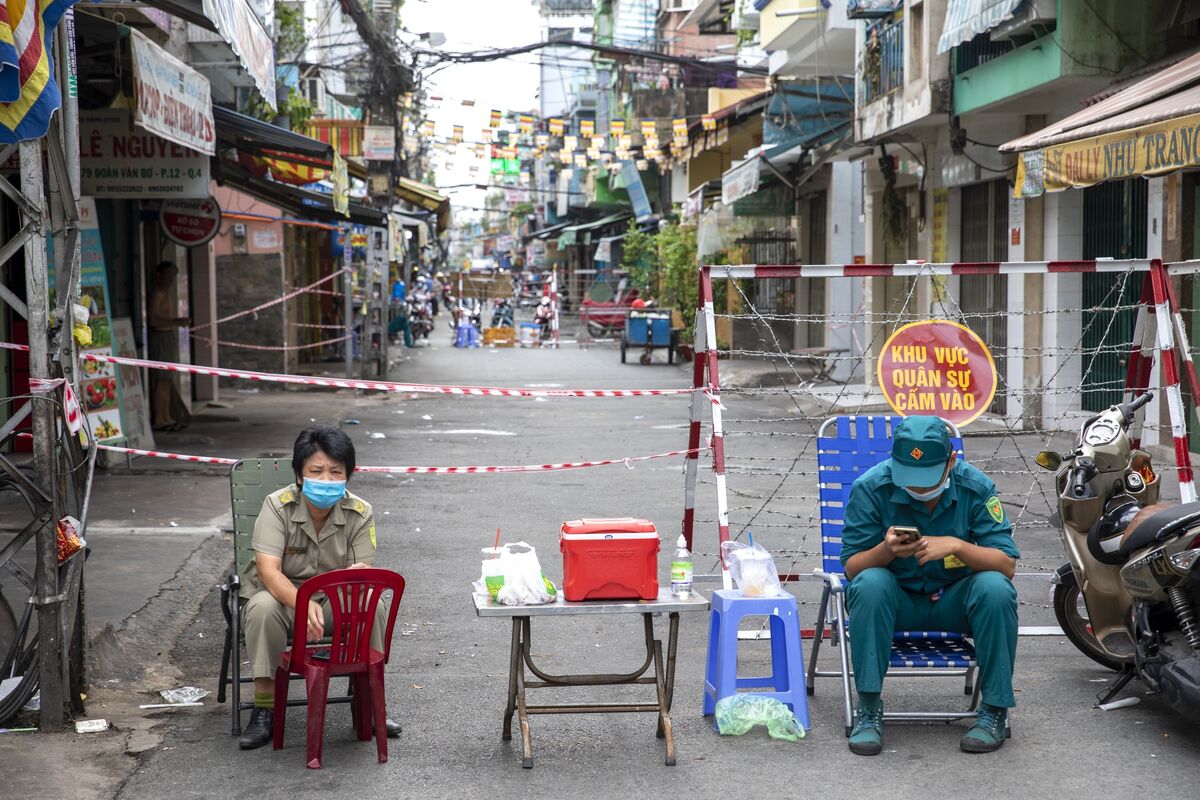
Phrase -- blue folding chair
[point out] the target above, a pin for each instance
(846, 448)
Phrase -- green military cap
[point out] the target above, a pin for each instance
(920, 449)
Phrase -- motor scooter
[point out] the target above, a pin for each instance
(1127, 597)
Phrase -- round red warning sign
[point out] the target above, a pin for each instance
(190, 222)
(937, 367)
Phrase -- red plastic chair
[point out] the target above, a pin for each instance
(353, 595)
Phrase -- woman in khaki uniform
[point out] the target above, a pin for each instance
(304, 530)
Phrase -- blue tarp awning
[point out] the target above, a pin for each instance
(811, 111)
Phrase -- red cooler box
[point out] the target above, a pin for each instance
(610, 559)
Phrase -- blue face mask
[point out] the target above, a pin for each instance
(930, 495)
(323, 494)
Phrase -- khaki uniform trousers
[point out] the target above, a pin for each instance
(267, 626)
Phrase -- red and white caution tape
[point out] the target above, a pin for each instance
(281, 347)
(481, 470)
(380, 386)
(269, 303)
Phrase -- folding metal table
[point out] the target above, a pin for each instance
(662, 677)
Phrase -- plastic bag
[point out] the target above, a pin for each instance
(184, 694)
(514, 577)
(753, 569)
(739, 713)
(69, 540)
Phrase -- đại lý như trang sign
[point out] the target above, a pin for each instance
(937, 367)
(1156, 149)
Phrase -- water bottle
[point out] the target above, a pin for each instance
(681, 570)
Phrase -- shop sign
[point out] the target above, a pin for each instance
(173, 100)
(379, 143)
(100, 389)
(937, 367)
(1156, 149)
(740, 181)
(341, 186)
(190, 223)
(242, 29)
(118, 160)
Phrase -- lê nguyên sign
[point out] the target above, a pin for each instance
(1156, 149)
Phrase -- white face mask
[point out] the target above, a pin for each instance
(931, 494)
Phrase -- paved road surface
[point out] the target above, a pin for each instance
(446, 680)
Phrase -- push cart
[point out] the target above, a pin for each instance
(648, 328)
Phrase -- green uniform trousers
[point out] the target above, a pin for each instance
(983, 604)
(267, 626)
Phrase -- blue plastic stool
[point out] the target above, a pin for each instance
(787, 661)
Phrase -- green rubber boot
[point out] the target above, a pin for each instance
(866, 737)
(988, 733)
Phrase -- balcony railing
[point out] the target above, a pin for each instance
(979, 50)
(883, 60)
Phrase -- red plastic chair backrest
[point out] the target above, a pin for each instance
(353, 595)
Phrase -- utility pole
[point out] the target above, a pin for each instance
(47, 597)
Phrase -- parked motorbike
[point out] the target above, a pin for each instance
(420, 315)
(544, 317)
(1127, 599)
(502, 313)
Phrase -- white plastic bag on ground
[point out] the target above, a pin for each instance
(515, 578)
(752, 568)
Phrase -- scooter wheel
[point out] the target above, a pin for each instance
(1071, 612)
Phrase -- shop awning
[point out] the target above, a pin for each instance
(300, 202)
(425, 197)
(1150, 128)
(544, 233)
(966, 19)
(251, 135)
(570, 235)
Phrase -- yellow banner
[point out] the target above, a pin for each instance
(1156, 149)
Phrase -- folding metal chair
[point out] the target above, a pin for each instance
(250, 481)
(847, 447)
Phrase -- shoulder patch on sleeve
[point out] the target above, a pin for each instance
(995, 510)
(357, 504)
(288, 496)
(371, 531)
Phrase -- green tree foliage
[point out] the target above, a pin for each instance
(663, 265)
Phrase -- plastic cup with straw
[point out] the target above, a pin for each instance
(493, 570)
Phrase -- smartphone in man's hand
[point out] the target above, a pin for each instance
(907, 535)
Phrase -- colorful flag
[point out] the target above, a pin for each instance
(556, 126)
(617, 126)
(581, 160)
(564, 156)
(542, 141)
(458, 133)
(525, 123)
(680, 129)
(29, 95)
(708, 122)
(650, 128)
(587, 127)
(495, 120)
(597, 143)
(429, 126)
(570, 143)
(487, 134)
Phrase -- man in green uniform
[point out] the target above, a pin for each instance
(957, 576)
(303, 530)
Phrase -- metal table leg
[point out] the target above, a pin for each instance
(522, 712)
(514, 656)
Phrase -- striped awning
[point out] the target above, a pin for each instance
(966, 19)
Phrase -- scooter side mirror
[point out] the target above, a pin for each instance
(1049, 460)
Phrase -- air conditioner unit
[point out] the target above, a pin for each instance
(679, 5)
(1034, 19)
